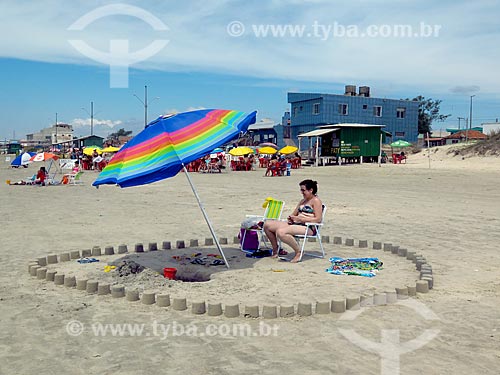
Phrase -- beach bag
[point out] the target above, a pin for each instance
(251, 241)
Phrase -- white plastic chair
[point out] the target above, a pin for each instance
(305, 237)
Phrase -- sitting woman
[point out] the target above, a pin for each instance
(66, 178)
(41, 176)
(309, 210)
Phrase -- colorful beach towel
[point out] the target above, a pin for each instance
(367, 267)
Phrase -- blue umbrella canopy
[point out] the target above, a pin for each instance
(22, 159)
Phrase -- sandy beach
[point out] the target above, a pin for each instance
(449, 213)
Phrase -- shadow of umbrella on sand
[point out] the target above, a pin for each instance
(170, 142)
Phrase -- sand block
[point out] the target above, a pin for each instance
(379, 299)
(148, 297)
(304, 309)
(391, 296)
(402, 252)
(337, 240)
(209, 241)
(287, 311)
(152, 246)
(86, 253)
(41, 273)
(366, 299)
(198, 308)
(32, 264)
(52, 259)
(410, 255)
(74, 254)
(236, 240)
(394, 249)
(311, 239)
(51, 275)
(118, 291)
(179, 304)
(33, 269)
(325, 239)
(139, 248)
(59, 279)
(349, 242)
(193, 243)
(163, 300)
(132, 295)
(422, 286)
(387, 246)
(81, 284)
(64, 257)
(166, 245)
(338, 305)
(214, 309)
(323, 307)
(42, 261)
(429, 279)
(412, 290)
(377, 245)
(402, 292)
(96, 251)
(363, 244)
(223, 241)
(109, 250)
(180, 244)
(269, 311)
(122, 249)
(252, 311)
(103, 289)
(231, 311)
(70, 281)
(92, 286)
(352, 302)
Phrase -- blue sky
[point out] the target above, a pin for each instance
(215, 54)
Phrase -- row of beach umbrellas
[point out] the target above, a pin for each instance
(266, 150)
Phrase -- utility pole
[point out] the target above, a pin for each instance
(460, 118)
(55, 139)
(470, 120)
(91, 114)
(145, 104)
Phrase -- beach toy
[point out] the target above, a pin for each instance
(169, 273)
(109, 268)
(87, 260)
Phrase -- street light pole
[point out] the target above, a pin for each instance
(460, 118)
(470, 120)
(91, 114)
(145, 104)
(55, 139)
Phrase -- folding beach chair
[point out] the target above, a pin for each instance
(74, 179)
(273, 211)
(304, 237)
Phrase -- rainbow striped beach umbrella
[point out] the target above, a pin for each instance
(170, 142)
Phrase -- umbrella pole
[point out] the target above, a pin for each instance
(205, 215)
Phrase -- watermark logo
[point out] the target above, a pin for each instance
(390, 348)
(163, 331)
(119, 57)
(324, 32)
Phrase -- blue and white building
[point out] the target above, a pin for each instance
(310, 110)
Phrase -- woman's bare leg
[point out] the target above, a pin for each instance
(271, 227)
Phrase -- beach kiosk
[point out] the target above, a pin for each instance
(350, 143)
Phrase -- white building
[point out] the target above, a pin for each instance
(490, 127)
(55, 134)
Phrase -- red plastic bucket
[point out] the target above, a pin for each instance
(169, 273)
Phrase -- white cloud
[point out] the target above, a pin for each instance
(85, 123)
(464, 52)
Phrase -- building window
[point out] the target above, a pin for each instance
(295, 111)
(301, 108)
(401, 112)
(316, 109)
(400, 134)
(377, 111)
(343, 109)
(365, 106)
